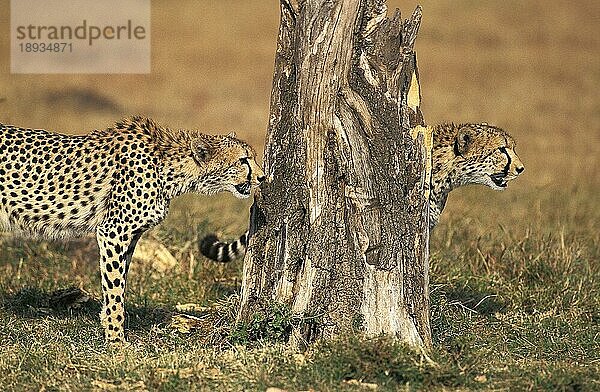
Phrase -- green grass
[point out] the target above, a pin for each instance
(511, 309)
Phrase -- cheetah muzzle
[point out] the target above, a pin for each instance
(243, 189)
(499, 179)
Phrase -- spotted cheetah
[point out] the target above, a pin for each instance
(116, 183)
(462, 154)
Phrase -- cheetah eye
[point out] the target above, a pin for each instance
(244, 160)
(502, 149)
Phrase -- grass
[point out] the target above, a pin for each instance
(506, 314)
(515, 275)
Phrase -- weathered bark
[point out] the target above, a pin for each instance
(339, 231)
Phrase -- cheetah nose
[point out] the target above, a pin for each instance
(261, 178)
(520, 169)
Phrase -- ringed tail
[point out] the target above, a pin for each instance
(224, 252)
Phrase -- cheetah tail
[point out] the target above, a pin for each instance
(214, 249)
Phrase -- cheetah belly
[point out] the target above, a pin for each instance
(60, 219)
(49, 186)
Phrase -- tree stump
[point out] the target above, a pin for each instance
(339, 230)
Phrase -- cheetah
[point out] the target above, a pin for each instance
(116, 183)
(462, 154)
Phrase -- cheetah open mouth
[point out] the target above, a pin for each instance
(499, 179)
(243, 189)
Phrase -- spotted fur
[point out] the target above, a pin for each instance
(463, 154)
(116, 183)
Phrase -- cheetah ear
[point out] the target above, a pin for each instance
(201, 150)
(231, 134)
(463, 140)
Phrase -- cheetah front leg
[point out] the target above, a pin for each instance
(116, 249)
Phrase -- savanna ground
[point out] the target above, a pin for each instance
(515, 274)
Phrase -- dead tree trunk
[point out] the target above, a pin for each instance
(339, 231)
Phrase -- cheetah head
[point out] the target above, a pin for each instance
(487, 156)
(228, 164)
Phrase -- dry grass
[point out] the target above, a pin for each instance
(516, 274)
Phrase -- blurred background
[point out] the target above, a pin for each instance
(530, 67)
